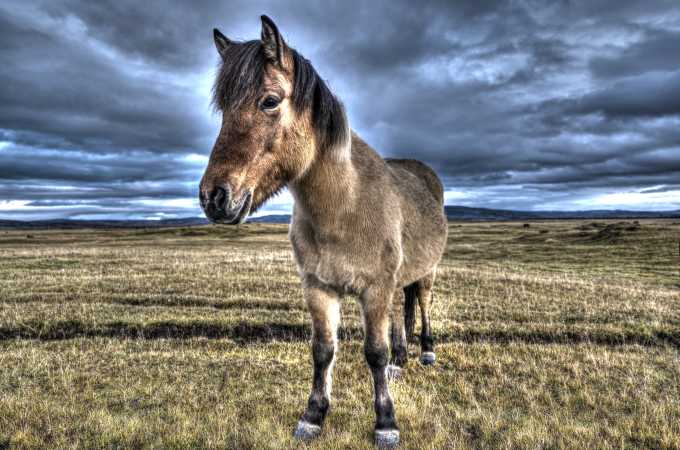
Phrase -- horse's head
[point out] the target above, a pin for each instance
(277, 114)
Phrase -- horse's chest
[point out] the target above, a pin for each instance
(332, 263)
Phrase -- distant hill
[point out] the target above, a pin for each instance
(164, 223)
(467, 213)
(74, 224)
(274, 218)
(452, 212)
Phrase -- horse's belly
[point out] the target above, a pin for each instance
(420, 259)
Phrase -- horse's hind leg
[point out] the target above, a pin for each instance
(324, 308)
(398, 336)
(427, 356)
(410, 303)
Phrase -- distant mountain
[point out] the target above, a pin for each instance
(273, 218)
(72, 224)
(452, 212)
(483, 214)
(164, 223)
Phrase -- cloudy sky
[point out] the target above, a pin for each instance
(536, 105)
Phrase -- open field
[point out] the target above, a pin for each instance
(562, 334)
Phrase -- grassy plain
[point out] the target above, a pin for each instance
(562, 334)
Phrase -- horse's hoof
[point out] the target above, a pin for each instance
(306, 431)
(386, 438)
(427, 358)
(393, 372)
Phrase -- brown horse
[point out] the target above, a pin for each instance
(361, 224)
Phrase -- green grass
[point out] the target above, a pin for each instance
(564, 334)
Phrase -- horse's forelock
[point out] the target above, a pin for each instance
(241, 77)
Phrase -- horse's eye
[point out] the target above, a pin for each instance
(270, 103)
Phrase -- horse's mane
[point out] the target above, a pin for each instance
(241, 76)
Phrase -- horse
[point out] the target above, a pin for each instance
(361, 225)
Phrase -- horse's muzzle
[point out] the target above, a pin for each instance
(220, 206)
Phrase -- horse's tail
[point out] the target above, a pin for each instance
(410, 309)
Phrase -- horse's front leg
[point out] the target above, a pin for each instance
(324, 306)
(375, 303)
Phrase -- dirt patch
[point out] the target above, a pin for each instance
(612, 232)
(192, 233)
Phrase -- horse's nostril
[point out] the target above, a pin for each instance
(219, 198)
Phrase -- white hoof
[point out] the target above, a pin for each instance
(427, 358)
(393, 372)
(306, 431)
(387, 438)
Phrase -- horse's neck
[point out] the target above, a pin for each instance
(328, 190)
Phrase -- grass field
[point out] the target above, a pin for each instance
(556, 335)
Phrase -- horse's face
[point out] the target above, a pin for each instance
(264, 142)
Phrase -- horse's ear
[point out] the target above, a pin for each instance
(272, 42)
(221, 42)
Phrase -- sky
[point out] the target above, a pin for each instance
(534, 105)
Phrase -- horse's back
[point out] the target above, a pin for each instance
(422, 171)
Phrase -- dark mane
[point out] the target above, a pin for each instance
(240, 80)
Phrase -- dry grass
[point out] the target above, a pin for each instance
(559, 335)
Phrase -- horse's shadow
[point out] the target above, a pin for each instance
(247, 333)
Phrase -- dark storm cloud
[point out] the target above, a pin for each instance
(654, 94)
(524, 104)
(58, 90)
(79, 167)
(648, 55)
